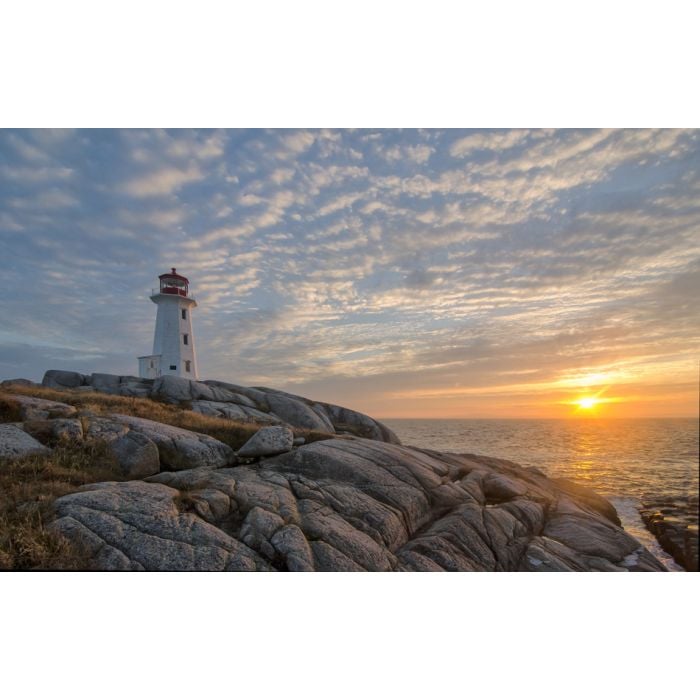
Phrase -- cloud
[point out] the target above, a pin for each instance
(362, 264)
(295, 143)
(418, 154)
(163, 181)
(488, 141)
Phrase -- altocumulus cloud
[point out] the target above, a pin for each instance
(426, 272)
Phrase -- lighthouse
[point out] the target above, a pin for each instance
(173, 341)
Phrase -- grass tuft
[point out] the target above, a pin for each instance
(28, 487)
(9, 410)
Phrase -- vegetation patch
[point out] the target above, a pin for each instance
(28, 487)
(9, 410)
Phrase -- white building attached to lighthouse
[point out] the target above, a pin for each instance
(173, 342)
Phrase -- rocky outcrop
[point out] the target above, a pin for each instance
(139, 447)
(20, 381)
(319, 503)
(32, 408)
(350, 505)
(668, 520)
(15, 442)
(59, 379)
(247, 404)
(106, 383)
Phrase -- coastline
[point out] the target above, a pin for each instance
(326, 489)
(648, 466)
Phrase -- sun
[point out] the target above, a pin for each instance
(591, 404)
(588, 402)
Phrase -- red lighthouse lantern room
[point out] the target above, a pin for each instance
(172, 283)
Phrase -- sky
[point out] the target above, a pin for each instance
(404, 273)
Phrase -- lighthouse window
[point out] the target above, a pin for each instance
(185, 339)
(187, 365)
(184, 314)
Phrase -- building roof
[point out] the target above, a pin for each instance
(173, 275)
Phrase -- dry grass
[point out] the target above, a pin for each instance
(28, 487)
(9, 411)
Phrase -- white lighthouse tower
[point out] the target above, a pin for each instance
(173, 342)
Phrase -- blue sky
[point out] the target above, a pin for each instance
(401, 272)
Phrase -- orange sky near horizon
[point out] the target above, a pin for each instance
(565, 399)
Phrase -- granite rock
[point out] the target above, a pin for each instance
(234, 411)
(14, 442)
(136, 455)
(260, 405)
(179, 448)
(350, 505)
(268, 441)
(33, 408)
(17, 382)
(60, 379)
(137, 526)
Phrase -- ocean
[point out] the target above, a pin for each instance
(634, 463)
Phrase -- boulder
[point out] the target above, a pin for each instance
(172, 389)
(106, 383)
(135, 386)
(136, 455)
(268, 441)
(179, 448)
(59, 379)
(14, 442)
(17, 382)
(33, 408)
(121, 385)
